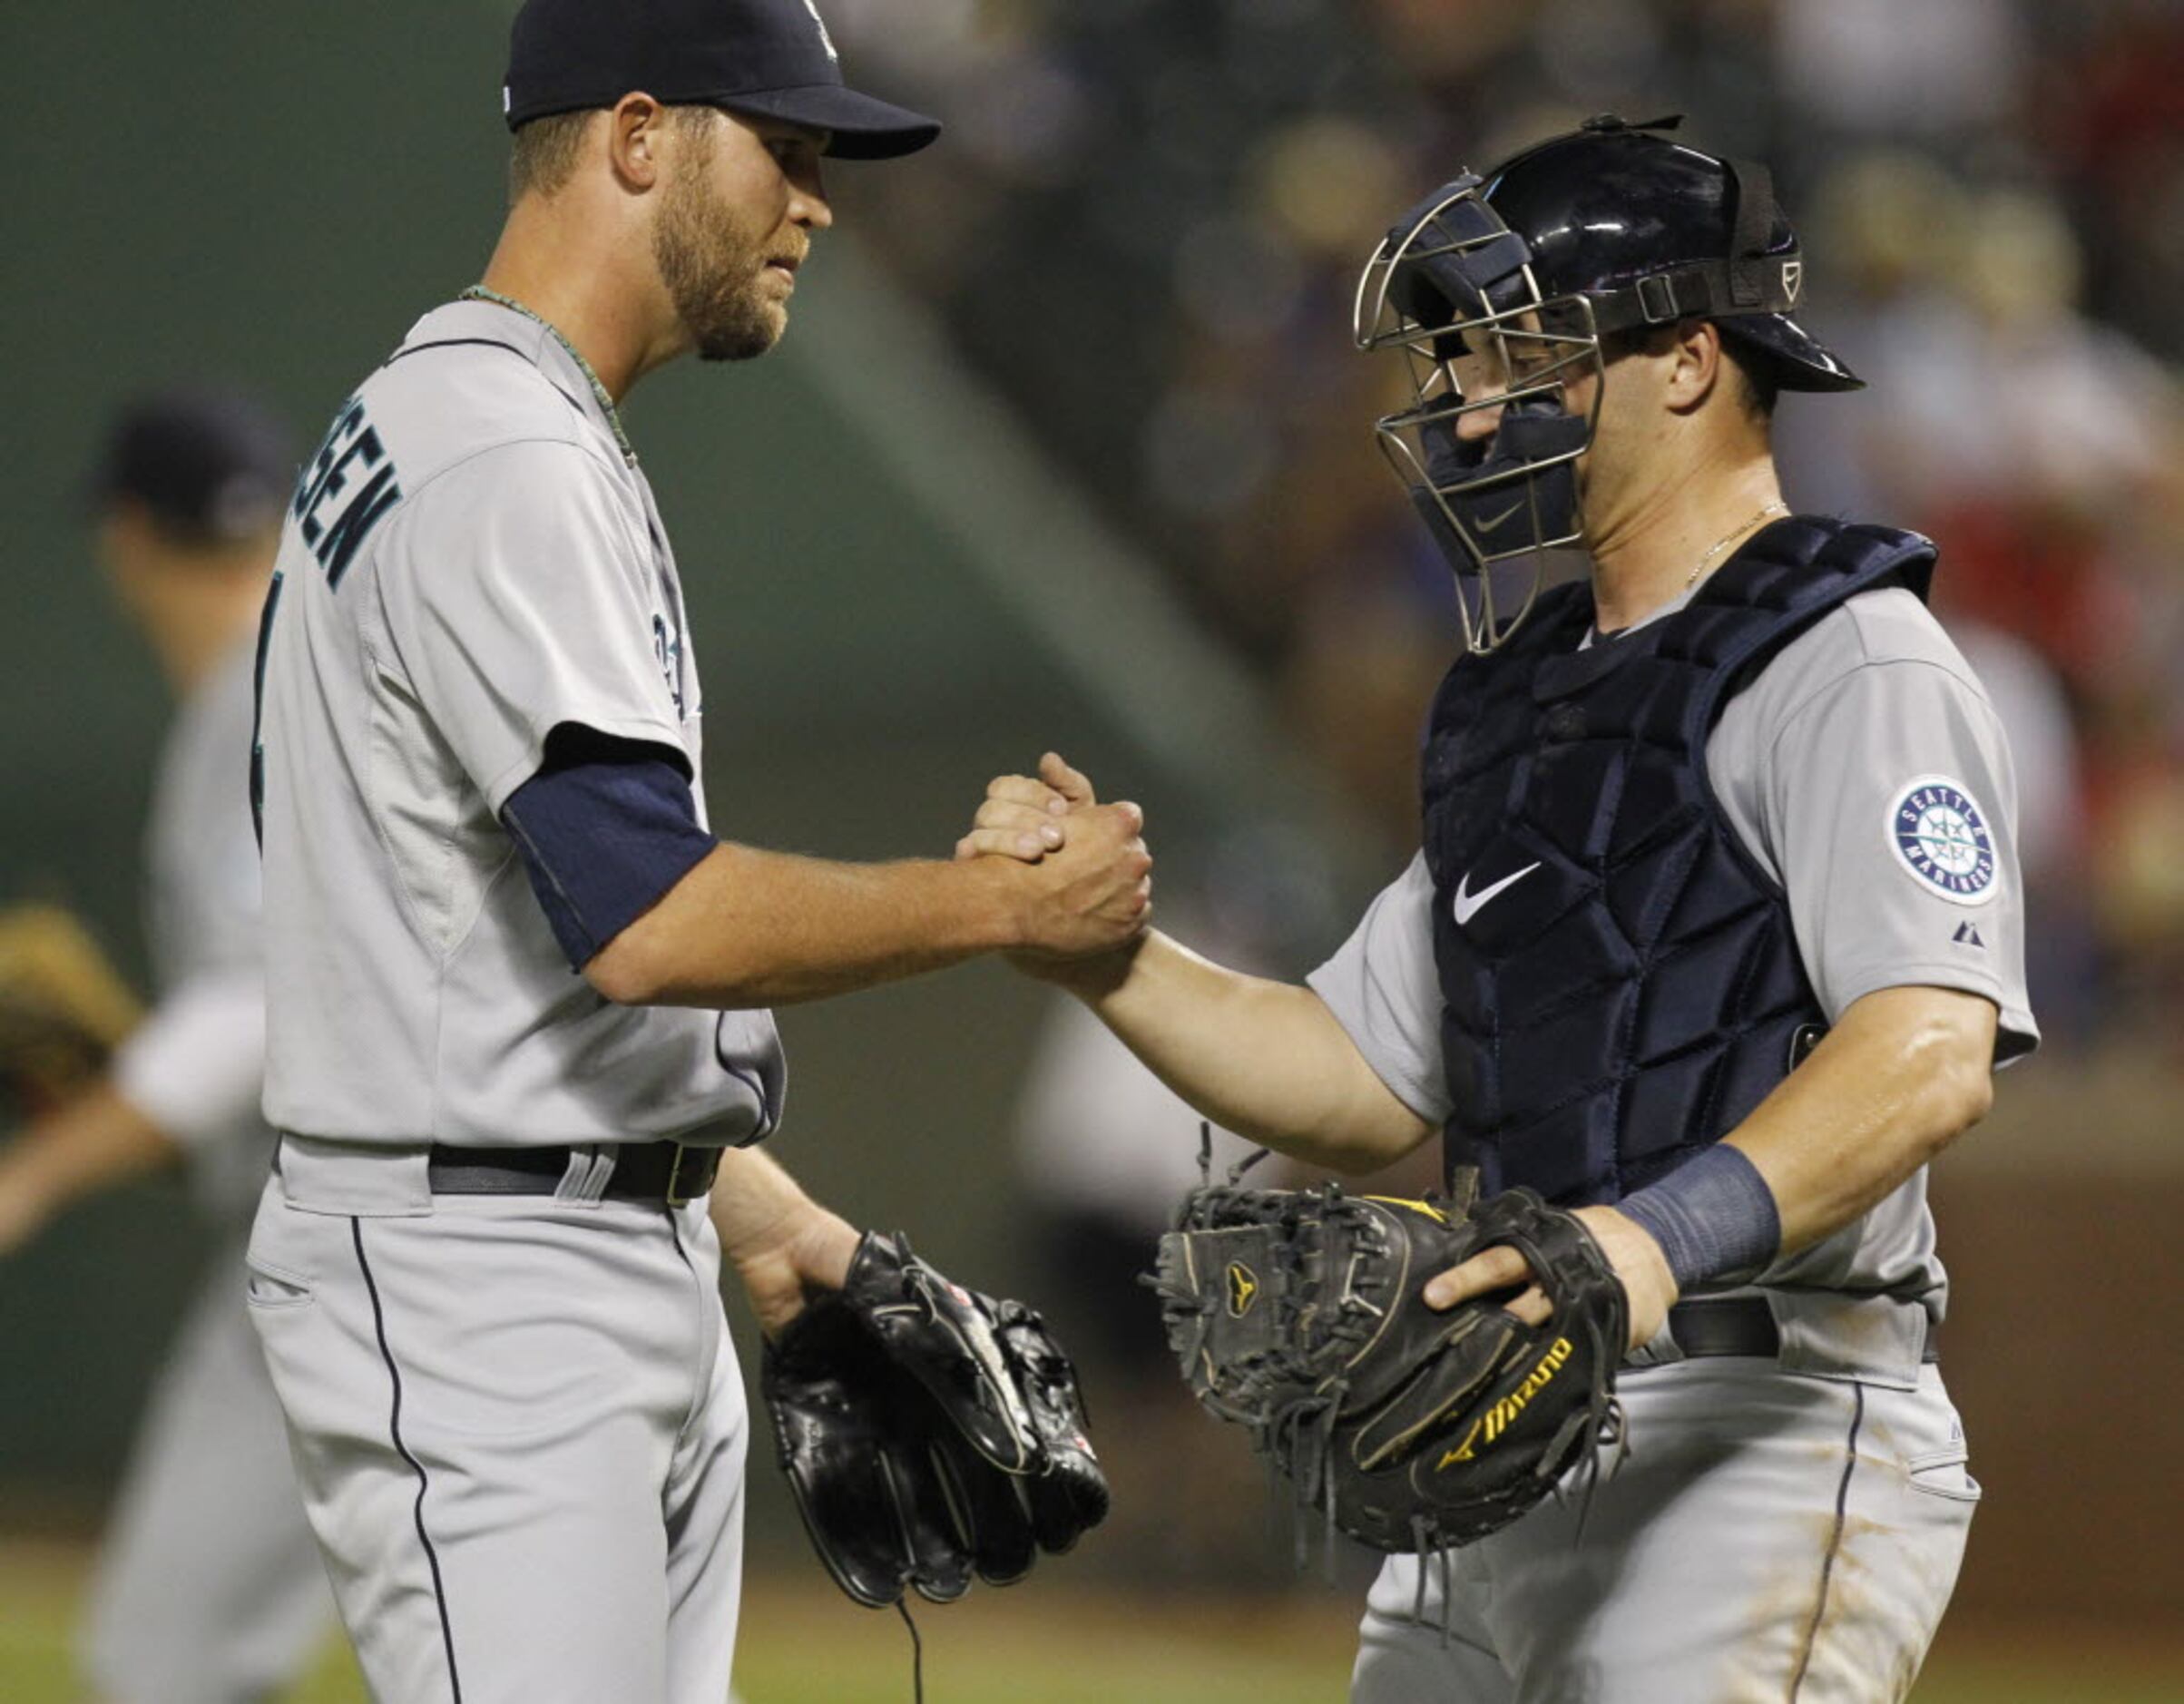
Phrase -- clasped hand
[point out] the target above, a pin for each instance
(1088, 875)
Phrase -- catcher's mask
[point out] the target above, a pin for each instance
(1499, 291)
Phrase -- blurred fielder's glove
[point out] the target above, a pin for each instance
(930, 1434)
(64, 1009)
(1300, 1314)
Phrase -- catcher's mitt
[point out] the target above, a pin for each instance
(929, 1433)
(64, 1009)
(1300, 1315)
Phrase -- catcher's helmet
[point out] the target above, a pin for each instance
(1609, 229)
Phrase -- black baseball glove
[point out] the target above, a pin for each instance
(930, 1434)
(1300, 1314)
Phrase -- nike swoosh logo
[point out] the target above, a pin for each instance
(1488, 526)
(1469, 904)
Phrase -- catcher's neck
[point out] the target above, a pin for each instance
(1668, 493)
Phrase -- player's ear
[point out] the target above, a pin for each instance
(636, 136)
(1696, 365)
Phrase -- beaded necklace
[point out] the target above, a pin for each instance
(479, 293)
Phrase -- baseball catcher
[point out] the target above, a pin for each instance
(1713, 939)
(930, 1434)
(1301, 1315)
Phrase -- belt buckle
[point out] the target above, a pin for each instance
(678, 1193)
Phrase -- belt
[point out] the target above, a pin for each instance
(663, 1174)
(1739, 1325)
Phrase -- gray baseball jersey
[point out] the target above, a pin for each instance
(208, 1586)
(1867, 728)
(470, 562)
(517, 1420)
(196, 1065)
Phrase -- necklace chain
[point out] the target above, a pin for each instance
(479, 293)
(1776, 507)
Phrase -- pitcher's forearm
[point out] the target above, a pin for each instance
(747, 927)
(1265, 1059)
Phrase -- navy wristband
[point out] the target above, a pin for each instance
(1714, 1216)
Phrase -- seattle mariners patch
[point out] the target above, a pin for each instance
(1940, 832)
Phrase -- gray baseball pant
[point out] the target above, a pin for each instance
(1771, 1538)
(519, 1428)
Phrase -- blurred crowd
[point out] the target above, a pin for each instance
(1150, 218)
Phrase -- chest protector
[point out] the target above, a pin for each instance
(1620, 982)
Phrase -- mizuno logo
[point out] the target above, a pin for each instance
(1499, 1418)
(1243, 1290)
(1469, 904)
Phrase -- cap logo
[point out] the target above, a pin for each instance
(826, 39)
(1793, 279)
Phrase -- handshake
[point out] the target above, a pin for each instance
(1074, 873)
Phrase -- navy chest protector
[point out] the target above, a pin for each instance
(1620, 982)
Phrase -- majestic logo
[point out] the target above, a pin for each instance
(1469, 904)
(1499, 1418)
(826, 39)
(1243, 1288)
(1793, 279)
(1939, 831)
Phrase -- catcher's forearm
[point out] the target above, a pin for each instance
(94, 1141)
(1903, 1073)
(1265, 1059)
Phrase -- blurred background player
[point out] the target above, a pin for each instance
(209, 1589)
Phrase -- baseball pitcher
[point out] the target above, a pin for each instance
(518, 1020)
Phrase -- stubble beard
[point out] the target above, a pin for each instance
(714, 269)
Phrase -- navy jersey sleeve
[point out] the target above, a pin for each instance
(605, 827)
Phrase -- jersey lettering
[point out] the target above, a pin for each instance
(346, 488)
(258, 711)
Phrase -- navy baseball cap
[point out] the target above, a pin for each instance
(769, 58)
(213, 465)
